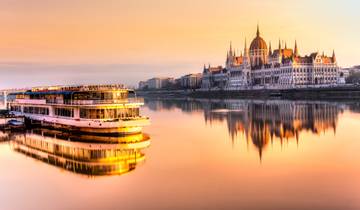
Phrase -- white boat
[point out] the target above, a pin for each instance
(99, 109)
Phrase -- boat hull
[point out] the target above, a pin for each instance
(120, 127)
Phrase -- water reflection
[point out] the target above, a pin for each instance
(263, 122)
(4, 136)
(82, 154)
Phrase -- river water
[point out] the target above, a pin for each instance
(196, 154)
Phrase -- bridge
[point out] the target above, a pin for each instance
(5, 92)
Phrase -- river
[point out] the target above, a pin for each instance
(196, 154)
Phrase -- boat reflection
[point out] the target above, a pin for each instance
(87, 155)
(4, 136)
(261, 122)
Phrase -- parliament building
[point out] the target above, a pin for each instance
(262, 67)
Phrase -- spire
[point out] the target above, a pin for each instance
(285, 45)
(245, 49)
(270, 51)
(230, 47)
(333, 56)
(280, 48)
(258, 31)
(279, 45)
(296, 51)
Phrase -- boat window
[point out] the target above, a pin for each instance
(109, 113)
(15, 108)
(36, 110)
(111, 95)
(65, 112)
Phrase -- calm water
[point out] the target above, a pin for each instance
(203, 154)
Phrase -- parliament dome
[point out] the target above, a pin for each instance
(258, 52)
(258, 43)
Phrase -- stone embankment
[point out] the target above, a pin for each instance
(333, 93)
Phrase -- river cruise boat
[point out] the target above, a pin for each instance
(101, 109)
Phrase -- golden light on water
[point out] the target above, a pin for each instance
(251, 154)
(195, 153)
(88, 155)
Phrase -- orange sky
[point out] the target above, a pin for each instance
(170, 32)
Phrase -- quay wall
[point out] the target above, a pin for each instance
(333, 93)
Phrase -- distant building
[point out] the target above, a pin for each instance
(214, 77)
(191, 81)
(143, 85)
(177, 84)
(157, 83)
(167, 82)
(355, 68)
(344, 73)
(352, 74)
(351, 70)
(154, 83)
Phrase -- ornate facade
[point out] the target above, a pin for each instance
(261, 67)
(214, 77)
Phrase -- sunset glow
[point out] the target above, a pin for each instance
(170, 31)
(169, 37)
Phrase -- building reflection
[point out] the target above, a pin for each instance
(262, 122)
(188, 106)
(83, 154)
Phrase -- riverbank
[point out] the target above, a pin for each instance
(333, 93)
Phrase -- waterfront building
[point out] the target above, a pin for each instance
(343, 75)
(239, 69)
(103, 109)
(143, 85)
(259, 66)
(214, 77)
(352, 74)
(157, 83)
(191, 81)
(354, 69)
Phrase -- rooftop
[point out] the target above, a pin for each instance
(69, 89)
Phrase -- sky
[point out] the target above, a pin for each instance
(43, 42)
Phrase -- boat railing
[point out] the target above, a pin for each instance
(95, 102)
(79, 102)
(31, 101)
